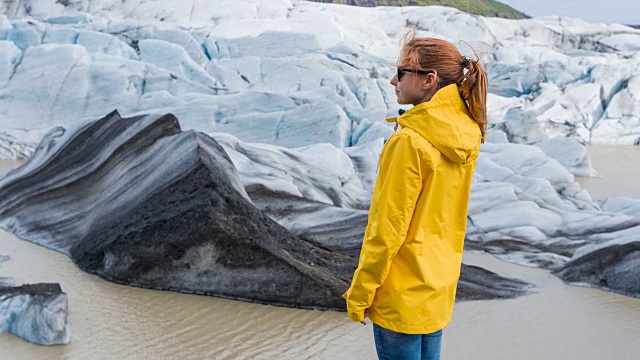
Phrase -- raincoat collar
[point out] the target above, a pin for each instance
(444, 121)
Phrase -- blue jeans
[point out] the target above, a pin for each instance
(392, 345)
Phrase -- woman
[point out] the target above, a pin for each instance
(412, 250)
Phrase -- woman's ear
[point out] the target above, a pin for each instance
(430, 81)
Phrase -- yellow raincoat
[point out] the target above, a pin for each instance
(412, 250)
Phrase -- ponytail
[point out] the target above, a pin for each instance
(473, 89)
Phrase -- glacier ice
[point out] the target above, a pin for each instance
(575, 79)
(310, 81)
(36, 313)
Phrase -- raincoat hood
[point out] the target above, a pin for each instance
(444, 121)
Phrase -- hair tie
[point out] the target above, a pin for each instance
(465, 62)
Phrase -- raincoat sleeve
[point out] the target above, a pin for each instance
(394, 199)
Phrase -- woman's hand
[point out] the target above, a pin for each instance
(366, 313)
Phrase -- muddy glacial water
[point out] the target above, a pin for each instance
(556, 321)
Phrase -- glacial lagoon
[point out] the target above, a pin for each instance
(108, 321)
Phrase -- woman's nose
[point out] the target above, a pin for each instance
(394, 80)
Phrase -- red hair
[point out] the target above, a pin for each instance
(440, 55)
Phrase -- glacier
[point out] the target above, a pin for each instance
(301, 72)
(297, 92)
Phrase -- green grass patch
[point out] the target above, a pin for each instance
(478, 7)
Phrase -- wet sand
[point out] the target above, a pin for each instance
(110, 321)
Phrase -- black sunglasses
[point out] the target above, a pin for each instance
(401, 71)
